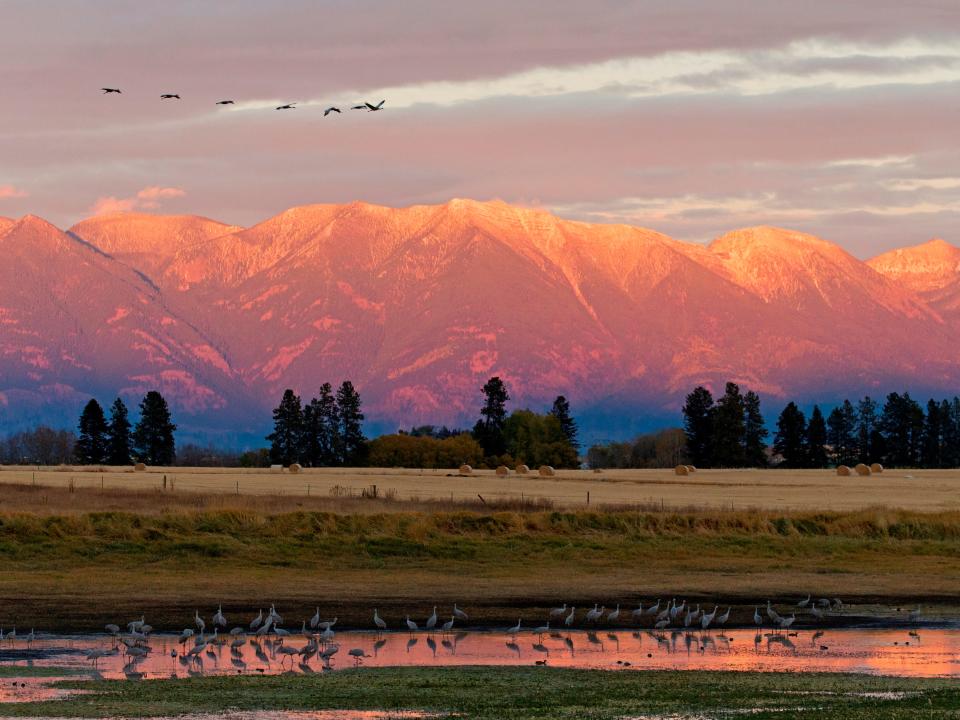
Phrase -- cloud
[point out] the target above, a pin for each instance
(11, 191)
(150, 198)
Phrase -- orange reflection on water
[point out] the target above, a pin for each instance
(935, 653)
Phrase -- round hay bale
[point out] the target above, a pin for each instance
(547, 471)
(876, 468)
(522, 469)
(681, 470)
(843, 471)
(503, 470)
(598, 470)
(296, 467)
(691, 469)
(466, 470)
(139, 467)
(862, 469)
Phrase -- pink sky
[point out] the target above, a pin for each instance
(690, 117)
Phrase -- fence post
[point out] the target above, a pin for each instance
(308, 489)
(238, 487)
(588, 497)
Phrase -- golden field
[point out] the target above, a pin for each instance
(917, 490)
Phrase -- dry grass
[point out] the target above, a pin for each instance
(920, 490)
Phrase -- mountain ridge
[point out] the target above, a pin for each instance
(420, 305)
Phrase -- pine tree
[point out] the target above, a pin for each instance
(816, 440)
(321, 429)
(867, 432)
(729, 429)
(790, 439)
(901, 424)
(287, 435)
(755, 432)
(950, 433)
(91, 445)
(841, 429)
(561, 411)
(118, 435)
(931, 447)
(698, 426)
(153, 441)
(353, 444)
(489, 428)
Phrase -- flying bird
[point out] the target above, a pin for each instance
(368, 107)
(107, 91)
(330, 110)
(170, 96)
(225, 102)
(288, 106)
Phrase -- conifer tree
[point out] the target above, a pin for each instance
(698, 426)
(153, 441)
(118, 435)
(868, 450)
(729, 429)
(790, 439)
(561, 411)
(91, 447)
(755, 432)
(816, 440)
(287, 435)
(931, 446)
(353, 444)
(322, 429)
(493, 415)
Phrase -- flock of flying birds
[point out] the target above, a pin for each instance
(369, 107)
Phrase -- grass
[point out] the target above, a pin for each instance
(521, 694)
(78, 571)
(918, 490)
(25, 671)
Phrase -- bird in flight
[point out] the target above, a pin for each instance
(225, 102)
(170, 96)
(368, 107)
(330, 110)
(107, 91)
(288, 106)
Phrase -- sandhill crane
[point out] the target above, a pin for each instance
(199, 621)
(915, 615)
(823, 602)
(568, 621)
(330, 110)
(170, 96)
(327, 624)
(786, 622)
(288, 106)
(432, 620)
(135, 625)
(218, 618)
(664, 614)
(817, 612)
(772, 614)
(257, 621)
(327, 653)
(804, 603)
(315, 620)
(722, 620)
(676, 610)
(411, 625)
(757, 618)
(112, 629)
(107, 91)
(661, 624)
(542, 630)
(638, 613)
(707, 618)
(613, 616)
(30, 637)
(379, 621)
(357, 654)
(595, 614)
(237, 631)
(459, 614)
(559, 611)
(653, 609)
(516, 628)
(224, 102)
(186, 635)
(448, 625)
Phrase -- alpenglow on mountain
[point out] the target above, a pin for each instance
(419, 306)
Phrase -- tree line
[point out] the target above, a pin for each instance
(730, 432)
(328, 431)
(116, 442)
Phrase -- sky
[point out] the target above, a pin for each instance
(691, 117)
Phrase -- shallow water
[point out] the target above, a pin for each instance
(935, 653)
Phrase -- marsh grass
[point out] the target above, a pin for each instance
(521, 693)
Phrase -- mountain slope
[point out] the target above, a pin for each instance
(77, 322)
(924, 268)
(420, 305)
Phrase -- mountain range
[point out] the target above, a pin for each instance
(418, 306)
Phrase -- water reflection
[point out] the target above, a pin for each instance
(931, 653)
